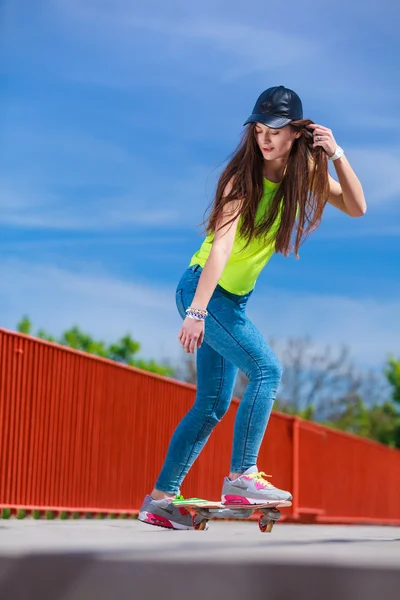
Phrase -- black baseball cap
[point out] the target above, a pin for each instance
(276, 107)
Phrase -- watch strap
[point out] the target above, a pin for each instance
(337, 154)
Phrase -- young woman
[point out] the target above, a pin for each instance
(274, 190)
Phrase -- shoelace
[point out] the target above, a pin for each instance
(260, 477)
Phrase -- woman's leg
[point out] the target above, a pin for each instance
(231, 342)
(215, 382)
(240, 342)
(264, 372)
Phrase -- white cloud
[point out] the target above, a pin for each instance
(379, 171)
(370, 120)
(72, 181)
(371, 328)
(25, 206)
(107, 43)
(244, 41)
(39, 162)
(59, 242)
(211, 42)
(348, 231)
(108, 307)
(26, 202)
(220, 41)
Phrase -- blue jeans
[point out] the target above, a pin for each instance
(231, 342)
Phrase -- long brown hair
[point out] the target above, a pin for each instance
(301, 195)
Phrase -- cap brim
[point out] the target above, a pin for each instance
(269, 120)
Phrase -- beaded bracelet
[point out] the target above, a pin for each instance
(196, 313)
(190, 316)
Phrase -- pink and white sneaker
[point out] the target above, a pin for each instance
(164, 513)
(251, 488)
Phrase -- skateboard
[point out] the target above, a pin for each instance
(203, 510)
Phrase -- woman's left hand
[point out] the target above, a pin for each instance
(326, 139)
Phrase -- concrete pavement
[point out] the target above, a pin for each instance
(128, 559)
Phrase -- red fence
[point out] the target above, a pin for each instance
(83, 433)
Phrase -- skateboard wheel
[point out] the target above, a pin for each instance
(265, 526)
(199, 525)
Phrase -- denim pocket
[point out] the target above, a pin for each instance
(179, 303)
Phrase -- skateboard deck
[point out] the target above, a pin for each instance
(200, 503)
(203, 510)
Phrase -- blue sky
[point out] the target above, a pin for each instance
(115, 120)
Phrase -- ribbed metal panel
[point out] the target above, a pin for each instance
(346, 475)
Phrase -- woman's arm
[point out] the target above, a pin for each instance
(347, 194)
(218, 257)
(191, 334)
(220, 251)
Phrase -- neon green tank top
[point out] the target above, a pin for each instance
(244, 265)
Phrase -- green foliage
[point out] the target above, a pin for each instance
(384, 424)
(49, 515)
(381, 422)
(6, 513)
(36, 514)
(308, 413)
(24, 326)
(44, 336)
(21, 514)
(63, 515)
(123, 351)
(392, 373)
(152, 366)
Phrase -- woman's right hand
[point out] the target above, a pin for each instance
(191, 334)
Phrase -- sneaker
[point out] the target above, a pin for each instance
(251, 488)
(164, 514)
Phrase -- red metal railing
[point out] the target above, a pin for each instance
(85, 434)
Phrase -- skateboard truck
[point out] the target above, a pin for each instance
(203, 510)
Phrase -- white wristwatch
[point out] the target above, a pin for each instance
(337, 154)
